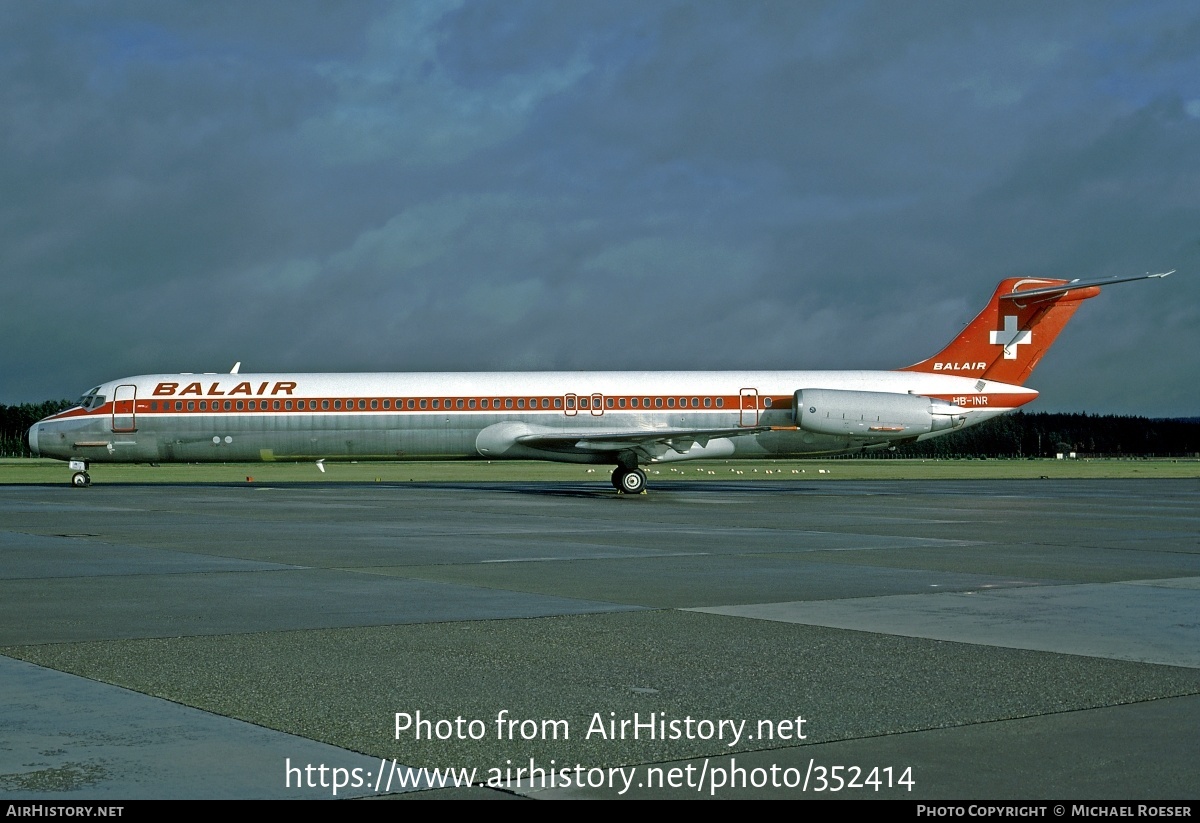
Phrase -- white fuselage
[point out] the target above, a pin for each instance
(394, 416)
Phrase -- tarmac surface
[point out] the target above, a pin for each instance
(825, 639)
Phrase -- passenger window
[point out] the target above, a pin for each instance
(436, 403)
(695, 402)
(708, 402)
(720, 402)
(275, 405)
(337, 405)
(483, 404)
(191, 405)
(608, 401)
(458, 404)
(203, 405)
(558, 402)
(287, 405)
(228, 405)
(324, 405)
(425, 403)
(239, 405)
(767, 402)
(633, 401)
(521, 403)
(671, 402)
(658, 402)
(508, 403)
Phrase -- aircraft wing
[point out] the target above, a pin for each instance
(649, 443)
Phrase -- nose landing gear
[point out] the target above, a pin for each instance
(80, 479)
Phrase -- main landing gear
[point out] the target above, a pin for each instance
(629, 481)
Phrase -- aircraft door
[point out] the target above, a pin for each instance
(124, 416)
(748, 415)
(597, 405)
(570, 405)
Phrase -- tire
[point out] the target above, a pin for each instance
(81, 480)
(633, 481)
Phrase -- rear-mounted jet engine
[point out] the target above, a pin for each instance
(873, 414)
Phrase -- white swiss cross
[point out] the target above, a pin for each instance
(1009, 337)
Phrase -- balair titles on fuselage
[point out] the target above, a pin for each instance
(280, 387)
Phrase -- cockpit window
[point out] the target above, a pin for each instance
(91, 400)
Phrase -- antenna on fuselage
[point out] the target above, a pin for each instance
(235, 368)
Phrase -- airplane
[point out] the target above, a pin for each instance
(624, 419)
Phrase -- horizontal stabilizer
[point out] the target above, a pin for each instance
(1075, 285)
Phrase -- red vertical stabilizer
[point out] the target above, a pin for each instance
(1008, 338)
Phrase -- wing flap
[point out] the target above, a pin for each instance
(651, 442)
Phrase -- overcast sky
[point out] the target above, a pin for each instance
(593, 185)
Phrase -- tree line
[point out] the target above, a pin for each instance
(16, 420)
(1046, 434)
(1037, 434)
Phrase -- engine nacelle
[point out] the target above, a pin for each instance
(872, 414)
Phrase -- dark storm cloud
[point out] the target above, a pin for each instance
(593, 185)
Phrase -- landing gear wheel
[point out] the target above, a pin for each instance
(81, 479)
(629, 481)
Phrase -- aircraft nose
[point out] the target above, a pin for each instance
(33, 439)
